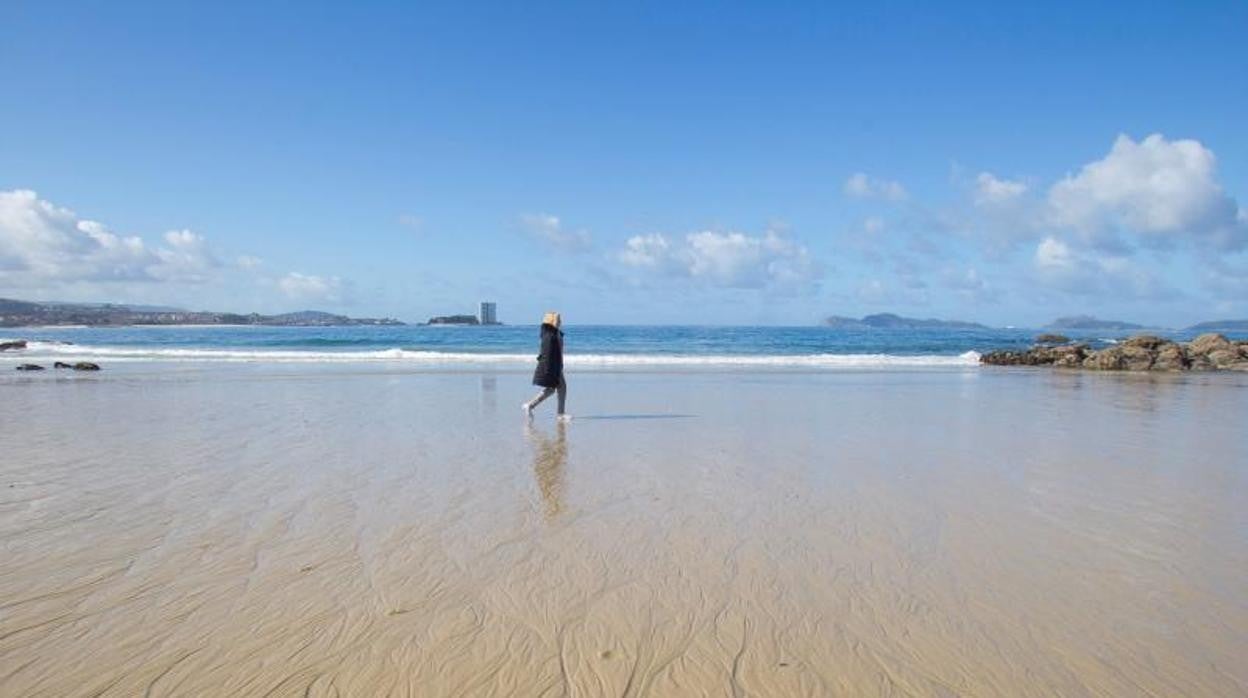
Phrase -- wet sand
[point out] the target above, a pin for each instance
(363, 531)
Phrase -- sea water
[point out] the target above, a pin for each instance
(585, 345)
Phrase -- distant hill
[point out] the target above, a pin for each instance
(114, 306)
(1220, 326)
(889, 321)
(16, 313)
(1087, 322)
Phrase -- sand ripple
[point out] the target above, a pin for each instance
(376, 533)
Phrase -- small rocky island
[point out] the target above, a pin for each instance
(454, 320)
(1208, 352)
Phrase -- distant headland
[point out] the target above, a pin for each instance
(16, 313)
(1220, 326)
(1087, 322)
(889, 321)
(1073, 323)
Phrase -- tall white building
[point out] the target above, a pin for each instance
(489, 313)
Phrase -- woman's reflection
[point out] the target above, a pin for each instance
(550, 459)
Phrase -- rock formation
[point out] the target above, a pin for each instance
(80, 366)
(1139, 353)
(12, 346)
(1048, 338)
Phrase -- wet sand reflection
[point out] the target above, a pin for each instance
(550, 459)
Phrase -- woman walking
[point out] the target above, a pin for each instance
(549, 373)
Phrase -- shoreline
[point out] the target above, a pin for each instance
(685, 533)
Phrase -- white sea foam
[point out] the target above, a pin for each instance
(398, 355)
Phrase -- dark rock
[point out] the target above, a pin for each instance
(1223, 358)
(1121, 357)
(1110, 359)
(1208, 352)
(30, 367)
(1200, 362)
(1145, 341)
(1206, 343)
(1137, 358)
(86, 366)
(1171, 358)
(1049, 338)
(1000, 357)
(12, 346)
(61, 364)
(1069, 356)
(1006, 357)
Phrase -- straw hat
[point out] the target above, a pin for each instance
(551, 318)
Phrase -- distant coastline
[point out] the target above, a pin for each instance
(1087, 322)
(889, 321)
(17, 313)
(1075, 323)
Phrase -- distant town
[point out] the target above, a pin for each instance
(18, 313)
(15, 313)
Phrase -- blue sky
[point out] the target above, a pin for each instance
(718, 163)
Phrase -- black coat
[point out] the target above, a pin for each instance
(550, 362)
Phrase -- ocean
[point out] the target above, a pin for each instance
(769, 510)
(239, 512)
(586, 346)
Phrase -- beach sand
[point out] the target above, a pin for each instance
(246, 530)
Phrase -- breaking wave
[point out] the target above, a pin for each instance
(413, 356)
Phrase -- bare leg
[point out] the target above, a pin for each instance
(563, 394)
(537, 399)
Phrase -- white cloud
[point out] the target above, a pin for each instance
(1054, 254)
(648, 251)
(1156, 189)
(44, 245)
(861, 186)
(248, 262)
(729, 260)
(311, 288)
(1060, 266)
(550, 230)
(992, 191)
(187, 258)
